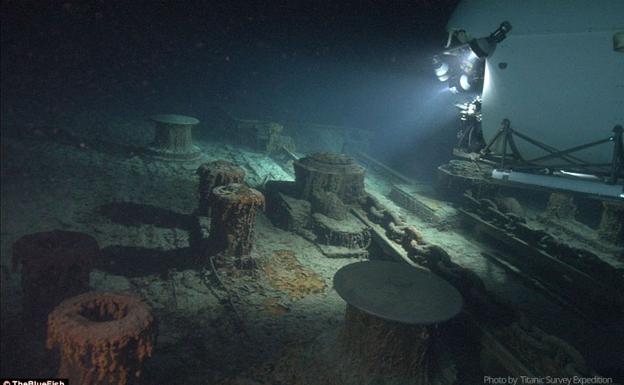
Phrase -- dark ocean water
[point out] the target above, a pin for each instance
(362, 64)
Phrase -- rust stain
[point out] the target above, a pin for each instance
(285, 273)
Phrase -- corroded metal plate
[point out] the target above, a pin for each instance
(397, 292)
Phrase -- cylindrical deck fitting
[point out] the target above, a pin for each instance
(233, 222)
(173, 137)
(390, 306)
(55, 265)
(103, 338)
(328, 172)
(611, 227)
(386, 349)
(561, 206)
(215, 174)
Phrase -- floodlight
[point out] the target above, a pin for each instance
(484, 47)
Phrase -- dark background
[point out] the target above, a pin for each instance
(364, 64)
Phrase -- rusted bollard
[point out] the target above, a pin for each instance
(55, 265)
(561, 206)
(103, 338)
(215, 174)
(611, 227)
(232, 223)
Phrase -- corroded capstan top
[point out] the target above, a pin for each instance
(397, 292)
(221, 167)
(239, 193)
(330, 173)
(175, 119)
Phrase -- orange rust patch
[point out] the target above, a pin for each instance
(285, 273)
